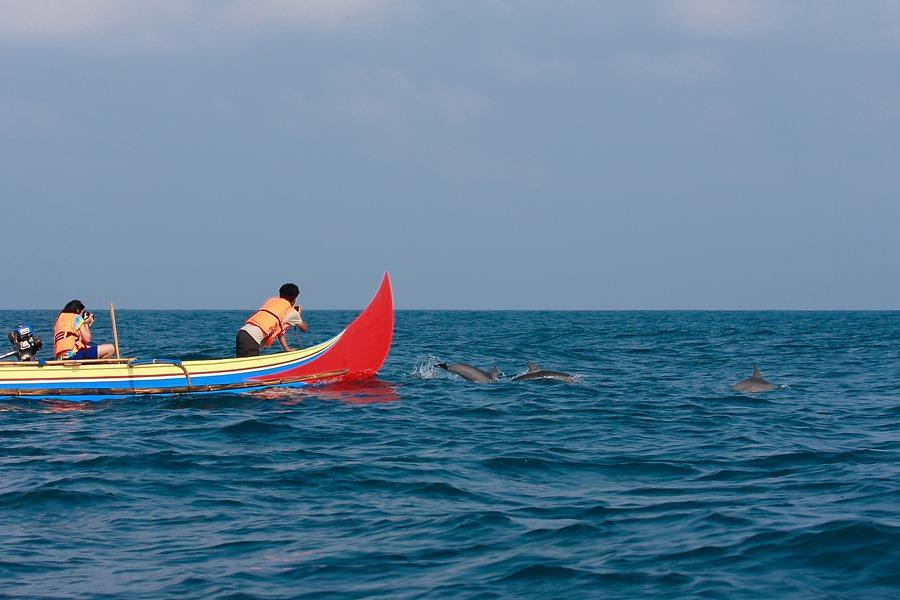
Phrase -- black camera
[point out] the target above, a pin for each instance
(86, 315)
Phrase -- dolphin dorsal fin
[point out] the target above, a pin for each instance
(756, 371)
(532, 367)
(494, 375)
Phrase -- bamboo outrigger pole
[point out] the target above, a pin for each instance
(112, 317)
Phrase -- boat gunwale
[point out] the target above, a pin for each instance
(126, 370)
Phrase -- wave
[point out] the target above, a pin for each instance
(255, 427)
(47, 496)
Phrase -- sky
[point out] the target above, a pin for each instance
(489, 154)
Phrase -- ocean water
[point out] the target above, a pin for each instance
(650, 478)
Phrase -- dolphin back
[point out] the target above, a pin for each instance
(469, 373)
(535, 372)
(754, 383)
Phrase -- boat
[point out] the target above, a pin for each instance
(354, 354)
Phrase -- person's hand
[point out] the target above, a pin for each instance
(89, 320)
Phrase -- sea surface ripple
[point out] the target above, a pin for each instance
(648, 478)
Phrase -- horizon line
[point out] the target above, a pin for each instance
(120, 308)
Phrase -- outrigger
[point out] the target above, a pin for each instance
(354, 354)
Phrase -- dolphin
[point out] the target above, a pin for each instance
(535, 372)
(470, 373)
(754, 383)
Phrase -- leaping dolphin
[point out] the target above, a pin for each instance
(470, 373)
(535, 372)
(754, 383)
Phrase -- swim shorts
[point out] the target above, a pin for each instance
(88, 352)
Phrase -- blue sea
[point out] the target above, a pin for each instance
(650, 478)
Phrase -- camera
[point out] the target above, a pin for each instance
(86, 315)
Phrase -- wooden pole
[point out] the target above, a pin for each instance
(112, 317)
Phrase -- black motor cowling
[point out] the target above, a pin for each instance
(25, 343)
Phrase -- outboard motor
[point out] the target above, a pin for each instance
(25, 343)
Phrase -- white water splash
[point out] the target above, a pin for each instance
(425, 367)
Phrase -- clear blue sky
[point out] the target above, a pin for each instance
(489, 154)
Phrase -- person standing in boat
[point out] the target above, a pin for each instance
(72, 335)
(270, 322)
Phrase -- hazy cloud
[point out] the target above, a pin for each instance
(429, 123)
(834, 19)
(723, 17)
(149, 20)
(65, 20)
(391, 99)
(298, 13)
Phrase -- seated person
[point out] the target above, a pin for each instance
(270, 322)
(72, 335)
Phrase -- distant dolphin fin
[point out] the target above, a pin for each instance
(756, 371)
(532, 367)
(494, 372)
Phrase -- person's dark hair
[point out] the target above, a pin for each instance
(289, 291)
(74, 306)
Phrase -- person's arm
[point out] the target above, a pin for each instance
(297, 321)
(85, 331)
(283, 341)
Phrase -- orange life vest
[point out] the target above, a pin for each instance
(65, 336)
(271, 318)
